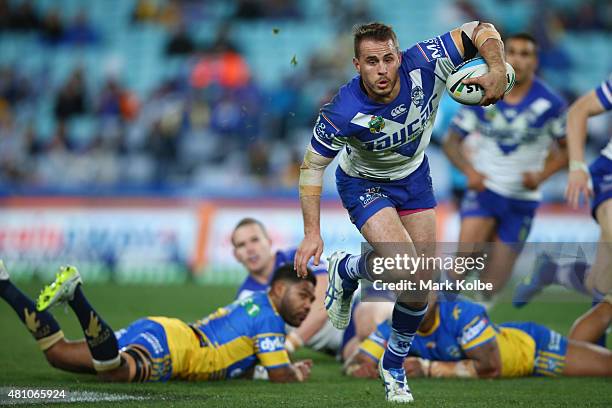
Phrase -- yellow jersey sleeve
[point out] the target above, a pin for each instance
(270, 350)
(476, 333)
(372, 349)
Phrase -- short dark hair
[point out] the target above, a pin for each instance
(287, 273)
(374, 31)
(249, 221)
(523, 36)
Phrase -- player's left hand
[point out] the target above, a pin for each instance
(304, 366)
(532, 180)
(311, 246)
(578, 183)
(360, 366)
(362, 370)
(493, 83)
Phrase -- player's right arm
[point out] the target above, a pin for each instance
(481, 37)
(482, 362)
(325, 144)
(463, 124)
(586, 106)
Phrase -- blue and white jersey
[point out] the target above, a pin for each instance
(514, 139)
(604, 93)
(393, 149)
(282, 257)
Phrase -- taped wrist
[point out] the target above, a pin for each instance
(484, 34)
(468, 28)
(311, 173)
(578, 165)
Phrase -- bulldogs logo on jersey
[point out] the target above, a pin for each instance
(418, 96)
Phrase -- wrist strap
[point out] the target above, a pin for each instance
(578, 165)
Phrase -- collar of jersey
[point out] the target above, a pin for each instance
(272, 303)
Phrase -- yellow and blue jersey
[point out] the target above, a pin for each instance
(459, 326)
(223, 345)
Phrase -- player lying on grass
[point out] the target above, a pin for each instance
(226, 344)
(253, 249)
(457, 339)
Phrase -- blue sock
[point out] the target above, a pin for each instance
(404, 324)
(99, 335)
(42, 325)
(354, 267)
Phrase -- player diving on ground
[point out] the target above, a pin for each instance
(457, 339)
(226, 344)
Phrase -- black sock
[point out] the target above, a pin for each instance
(42, 325)
(99, 335)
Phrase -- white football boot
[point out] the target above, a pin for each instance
(338, 303)
(396, 387)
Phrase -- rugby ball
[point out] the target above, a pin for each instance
(473, 94)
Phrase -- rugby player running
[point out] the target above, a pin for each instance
(380, 123)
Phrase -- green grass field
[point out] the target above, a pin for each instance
(22, 365)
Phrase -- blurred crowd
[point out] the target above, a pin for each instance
(210, 127)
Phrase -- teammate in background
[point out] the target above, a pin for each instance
(593, 182)
(226, 344)
(253, 249)
(457, 339)
(521, 144)
(380, 123)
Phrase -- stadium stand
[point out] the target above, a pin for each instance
(194, 122)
